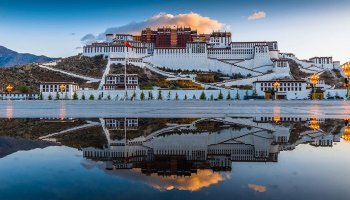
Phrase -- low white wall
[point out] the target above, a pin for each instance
(120, 94)
(335, 92)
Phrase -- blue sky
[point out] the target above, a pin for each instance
(55, 28)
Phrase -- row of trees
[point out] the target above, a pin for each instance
(150, 96)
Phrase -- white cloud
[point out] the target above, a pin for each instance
(194, 20)
(257, 15)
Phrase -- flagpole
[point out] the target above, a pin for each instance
(126, 62)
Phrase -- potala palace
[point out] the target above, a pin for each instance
(184, 49)
(181, 54)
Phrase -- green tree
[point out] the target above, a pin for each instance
(150, 95)
(92, 97)
(211, 97)
(142, 96)
(50, 97)
(109, 97)
(83, 97)
(169, 95)
(194, 97)
(220, 96)
(57, 96)
(75, 96)
(185, 97)
(23, 89)
(41, 96)
(237, 96)
(228, 95)
(133, 97)
(202, 97)
(159, 95)
(99, 97)
(246, 94)
(328, 95)
(255, 94)
(176, 96)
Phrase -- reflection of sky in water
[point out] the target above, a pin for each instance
(61, 172)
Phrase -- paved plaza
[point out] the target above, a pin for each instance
(175, 109)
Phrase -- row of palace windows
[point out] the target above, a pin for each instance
(282, 84)
(281, 89)
(111, 49)
(54, 88)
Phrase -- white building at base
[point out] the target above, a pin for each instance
(65, 90)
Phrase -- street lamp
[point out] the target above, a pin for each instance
(9, 88)
(346, 70)
(314, 80)
(346, 134)
(276, 119)
(276, 85)
(314, 124)
(62, 88)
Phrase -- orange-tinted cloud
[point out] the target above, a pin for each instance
(257, 188)
(203, 178)
(194, 20)
(257, 15)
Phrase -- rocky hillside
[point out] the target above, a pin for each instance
(146, 77)
(9, 58)
(331, 77)
(31, 76)
(92, 67)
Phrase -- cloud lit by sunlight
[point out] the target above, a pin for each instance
(194, 20)
(257, 188)
(257, 15)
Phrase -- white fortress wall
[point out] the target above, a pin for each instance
(264, 69)
(282, 71)
(120, 94)
(261, 56)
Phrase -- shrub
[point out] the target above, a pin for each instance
(237, 96)
(194, 97)
(176, 96)
(23, 89)
(159, 95)
(220, 96)
(185, 98)
(211, 97)
(83, 97)
(75, 96)
(203, 97)
(169, 95)
(57, 96)
(142, 96)
(228, 96)
(92, 97)
(50, 97)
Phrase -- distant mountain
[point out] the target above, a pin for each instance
(9, 58)
(10, 145)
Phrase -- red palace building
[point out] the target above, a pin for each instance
(168, 37)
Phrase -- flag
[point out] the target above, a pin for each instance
(128, 45)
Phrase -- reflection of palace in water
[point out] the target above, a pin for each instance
(183, 148)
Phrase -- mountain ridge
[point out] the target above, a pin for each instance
(10, 58)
